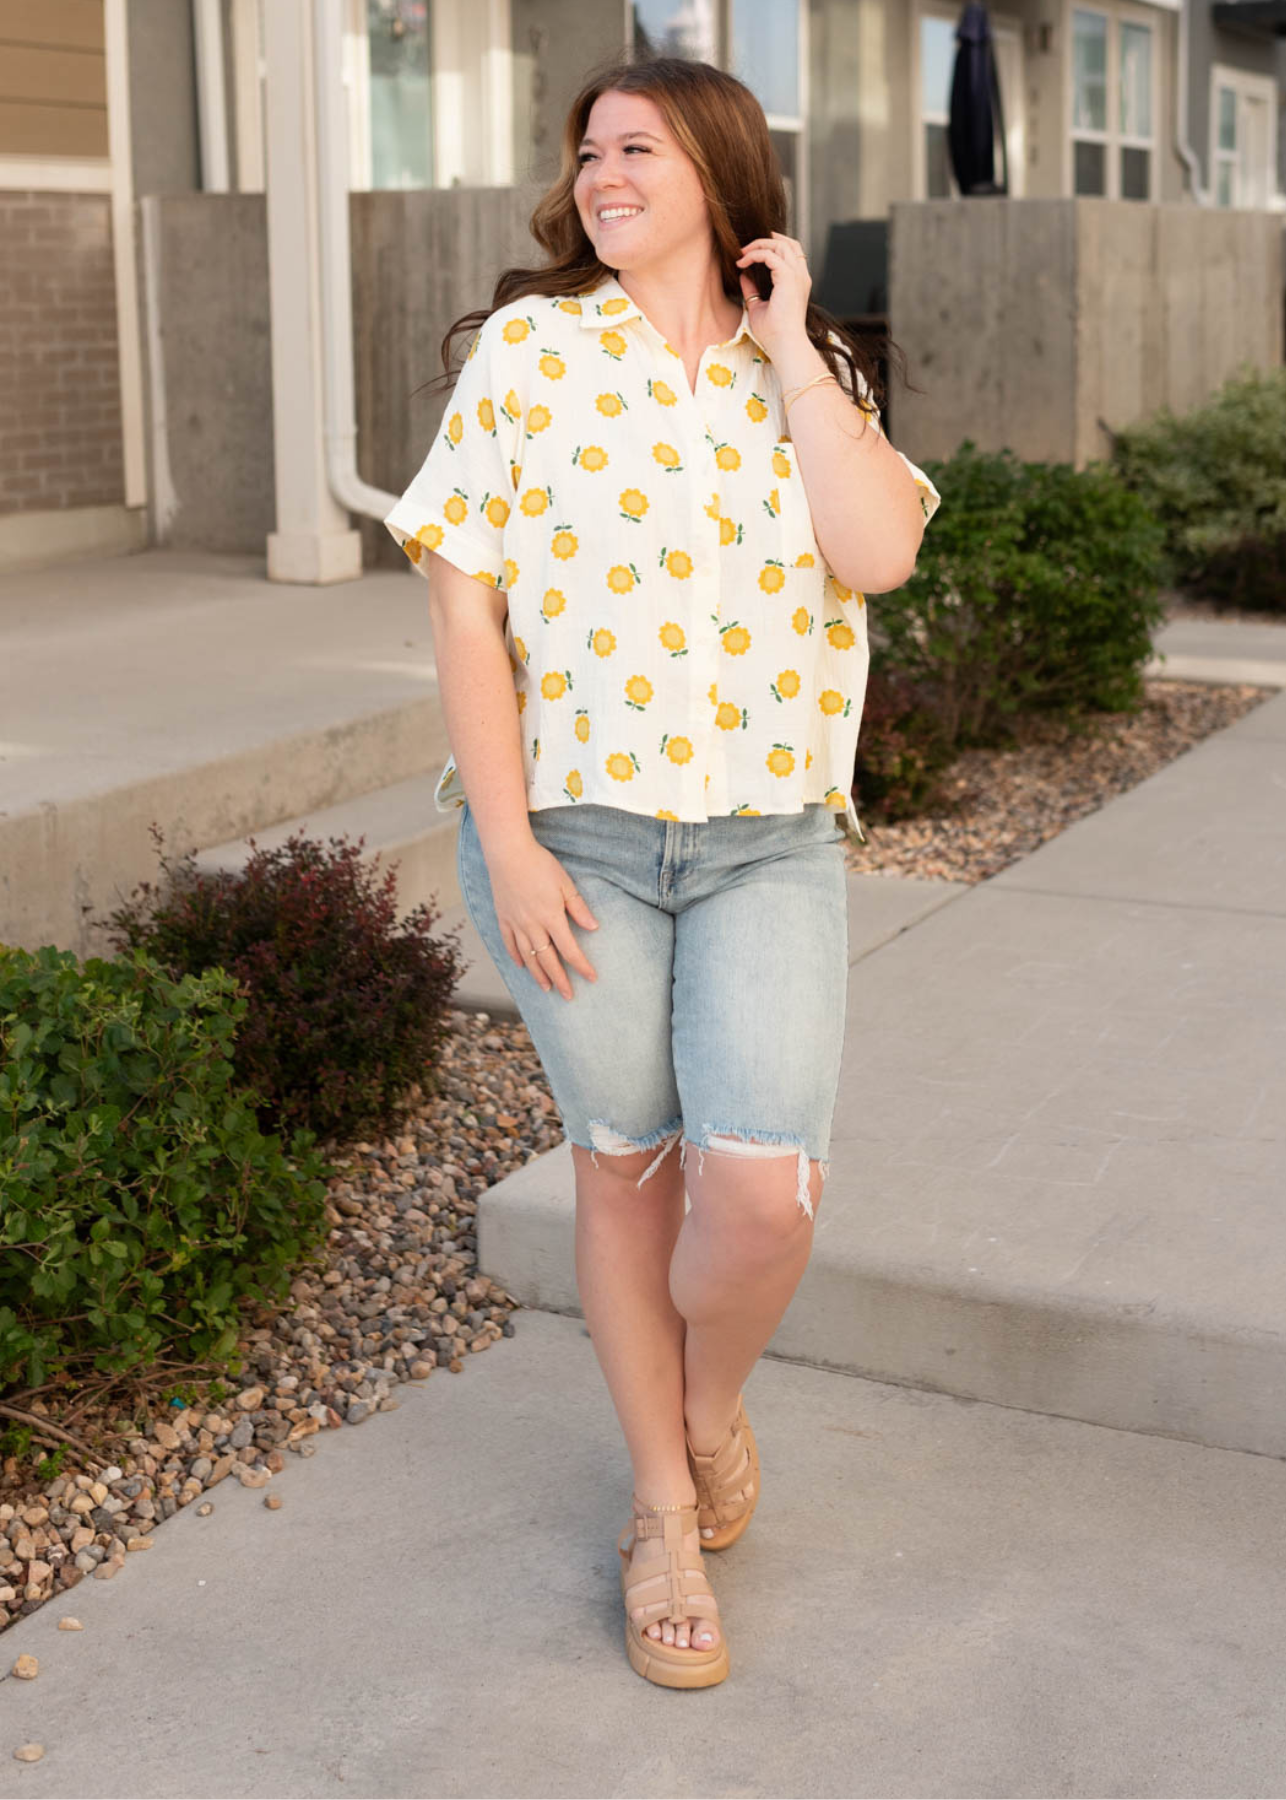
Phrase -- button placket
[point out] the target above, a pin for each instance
(708, 603)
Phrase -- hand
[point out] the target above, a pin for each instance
(779, 321)
(533, 894)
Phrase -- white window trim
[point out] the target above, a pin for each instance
(1246, 86)
(1002, 25)
(56, 174)
(1117, 14)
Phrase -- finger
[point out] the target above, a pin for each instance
(543, 967)
(765, 253)
(554, 970)
(583, 910)
(574, 956)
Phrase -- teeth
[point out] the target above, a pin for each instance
(620, 212)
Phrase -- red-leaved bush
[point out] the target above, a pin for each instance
(901, 748)
(346, 1007)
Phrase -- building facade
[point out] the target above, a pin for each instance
(105, 103)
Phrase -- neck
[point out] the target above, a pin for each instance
(683, 298)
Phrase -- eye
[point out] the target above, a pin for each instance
(585, 155)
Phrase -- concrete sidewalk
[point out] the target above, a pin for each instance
(1221, 650)
(933, 1598)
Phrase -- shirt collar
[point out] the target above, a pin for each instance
(609, 304)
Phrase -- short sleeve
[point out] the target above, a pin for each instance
(459, 502)
(930, 498)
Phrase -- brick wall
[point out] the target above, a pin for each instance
(60, 409)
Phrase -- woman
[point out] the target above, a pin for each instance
(622, 531)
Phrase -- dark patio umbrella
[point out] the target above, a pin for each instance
(976, 111)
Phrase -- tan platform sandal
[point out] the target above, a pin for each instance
(675, 1589)
(727, 1483)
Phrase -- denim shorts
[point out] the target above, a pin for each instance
(722, 963)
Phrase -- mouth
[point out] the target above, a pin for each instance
(616, 215)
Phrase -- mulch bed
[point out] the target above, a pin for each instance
(999, 805)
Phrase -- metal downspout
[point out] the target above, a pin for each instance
(336, 270)
(1186, 153)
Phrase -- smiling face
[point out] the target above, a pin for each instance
(638, 192)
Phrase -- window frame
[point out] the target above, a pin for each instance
(1245, 85)
(1116, 13)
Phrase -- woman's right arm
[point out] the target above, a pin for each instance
(532, 892)
(475, 683)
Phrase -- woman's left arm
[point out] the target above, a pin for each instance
(866, 506)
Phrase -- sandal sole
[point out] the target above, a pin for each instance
(722, 1540)
(682, 1670)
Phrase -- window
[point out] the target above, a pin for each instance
(767, 54)
(937, 60)
(1136, 111)
(1113, 67)
(401, 126)
(675, 28)
(430, 93)
(1243, 133)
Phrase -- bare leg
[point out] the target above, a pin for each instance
(625, 1237)
(737, 1262)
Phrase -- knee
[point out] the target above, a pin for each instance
(765, 1195)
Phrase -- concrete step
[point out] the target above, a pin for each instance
(187, 690)
(1057, 1160)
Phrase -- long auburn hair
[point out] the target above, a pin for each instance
(720, 124)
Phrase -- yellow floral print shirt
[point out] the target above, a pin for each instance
(679, 645)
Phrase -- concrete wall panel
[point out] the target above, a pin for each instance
(981, 300)
(1037, 323)
(209, 372)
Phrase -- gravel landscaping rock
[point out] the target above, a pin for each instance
(398, 1298)
(999, 805)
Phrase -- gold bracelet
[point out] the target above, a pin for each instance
(796, 392)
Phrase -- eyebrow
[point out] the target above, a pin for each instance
(621, 137)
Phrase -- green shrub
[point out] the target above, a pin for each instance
(1216, 479)
(1036, 590)
(140, 1204)
(347, 1011)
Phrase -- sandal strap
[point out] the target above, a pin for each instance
(682, 1574)
(726, 1471)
